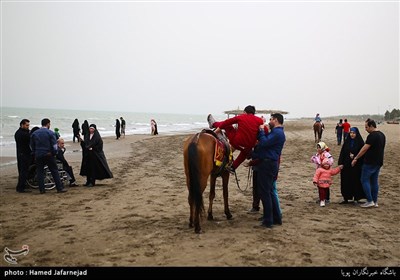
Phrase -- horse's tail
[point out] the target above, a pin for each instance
(195, 193)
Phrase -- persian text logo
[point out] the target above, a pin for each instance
(9, 254)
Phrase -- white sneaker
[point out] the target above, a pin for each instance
(368, 204)
(211, 121)
(322, 203)
(376, 205)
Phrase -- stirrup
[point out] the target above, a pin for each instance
(231, 169)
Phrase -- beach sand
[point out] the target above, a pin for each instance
(140, 217)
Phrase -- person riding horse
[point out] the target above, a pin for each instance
(318, 128)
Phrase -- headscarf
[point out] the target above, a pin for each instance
(358, 137)
(323, 146)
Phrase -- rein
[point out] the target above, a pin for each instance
(249, 179)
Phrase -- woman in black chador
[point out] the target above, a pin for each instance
(75, 130)
(94, 163)
(350, 184)
(117, 129)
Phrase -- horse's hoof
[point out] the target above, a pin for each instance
(229, 217)
(190, 225)
(210, 217)
(198, 231)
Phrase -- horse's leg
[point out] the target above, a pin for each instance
(211, 197)
(315, 135)
(225, 181)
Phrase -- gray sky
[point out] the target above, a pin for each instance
(333, 58)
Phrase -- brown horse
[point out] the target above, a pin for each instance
(198, 153)
(318, 129)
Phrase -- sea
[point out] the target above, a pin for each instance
(136, 123)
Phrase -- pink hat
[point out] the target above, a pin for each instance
(325, 163)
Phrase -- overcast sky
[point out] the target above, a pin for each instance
(199, 57)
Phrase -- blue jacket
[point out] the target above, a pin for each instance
(43, 142)
(270, 146)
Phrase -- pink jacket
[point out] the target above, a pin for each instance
(323, 177)
(318, 158)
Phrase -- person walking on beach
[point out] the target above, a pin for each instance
(268, 153)
(346, 129)
(242, 138)
(153, 124)
(44, 146)
(323, 179)
(68, 168)
(350, 177)
(339, 131)
(373, 152)
(24, 157)
(94, 163)
(322, 153)
(123, 124)
(117, 129)
(75, 130)
(85, 129)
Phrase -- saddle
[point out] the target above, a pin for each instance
(223, 151)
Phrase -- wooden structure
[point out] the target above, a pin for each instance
(238, 112)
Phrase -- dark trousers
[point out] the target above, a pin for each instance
(323, 193)
(50, 161)
(70, 172)
(267, 172)
(256, 195)
(23, 162)
(339, 136)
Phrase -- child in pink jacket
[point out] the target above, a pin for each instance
(322, 153)
(323, 179)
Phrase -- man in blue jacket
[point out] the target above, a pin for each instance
(269, 150)
(44, 146)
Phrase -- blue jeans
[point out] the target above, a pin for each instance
(267, 171)
(339, 138)
(369, 181)
(276, 197)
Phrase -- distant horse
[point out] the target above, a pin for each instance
(318, 129)
(198, 153)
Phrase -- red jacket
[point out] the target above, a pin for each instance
(346, 127)
(246, 134)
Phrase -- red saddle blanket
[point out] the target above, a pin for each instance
(220, 153)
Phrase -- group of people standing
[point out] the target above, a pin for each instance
(251, 133)
(359, 164)
(120, 127)
(41, 147)
(342, 130)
